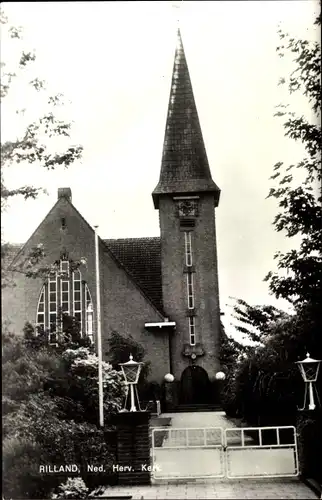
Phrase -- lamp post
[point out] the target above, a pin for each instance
(131, 371)
(309, 369)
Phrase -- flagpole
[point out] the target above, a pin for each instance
(99, 332)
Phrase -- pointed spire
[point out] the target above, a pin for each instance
(184, 167)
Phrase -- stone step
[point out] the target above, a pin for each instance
(196, 408)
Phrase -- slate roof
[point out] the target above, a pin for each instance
(185, 166)
(141, 258)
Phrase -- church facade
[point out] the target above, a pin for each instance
(162, 290)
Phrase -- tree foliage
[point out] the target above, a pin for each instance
(231, 351)
(255, 322)
(120, 348)
(39, 138)
(33, 142)
(50, 413)
(300, 212)
(266, 386)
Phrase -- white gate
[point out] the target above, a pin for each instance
(261, 452)
(250, 452)
(188, 453)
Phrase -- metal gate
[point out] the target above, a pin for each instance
(187, 453)
(212, 452)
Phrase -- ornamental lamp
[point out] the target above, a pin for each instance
(169, 377)
(309, 369)
(131, 371)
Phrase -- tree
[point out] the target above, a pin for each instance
(231, 351)
(299, 197)
(33, 142)
(41, 139)
(120, 349)
(269, 370)
(256, 322)
(50, 414)
(300, 203)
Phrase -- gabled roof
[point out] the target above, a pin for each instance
(141, 258)
(184, 167)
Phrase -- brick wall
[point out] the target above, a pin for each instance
(205, 282)
(123, 306)
(133, 448)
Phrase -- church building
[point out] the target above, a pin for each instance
(163, 291)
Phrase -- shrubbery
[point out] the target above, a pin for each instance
(73, 488)
(310, 444)
(120, 349)
(51, 414)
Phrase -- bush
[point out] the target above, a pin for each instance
(52, 442)
(74, 488)
(149, 391)
(229, 399)
(309, 429)
(263, 389)
(80, 385)
(21, 478)
(120, 348)
(53, 421)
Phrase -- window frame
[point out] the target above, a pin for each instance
(190, 291)
(192, 330)
(79, 294)
(188, 248)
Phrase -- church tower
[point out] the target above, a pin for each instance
(186, 197)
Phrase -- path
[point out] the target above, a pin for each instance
(217, 488)
(200, 419)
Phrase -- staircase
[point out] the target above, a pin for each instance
(196, 407)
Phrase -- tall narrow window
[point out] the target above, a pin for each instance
(41, 311)
(192, 330)
(77, 285)
(64, 287)
(188, 248)
(191, 300)
(52, 301)
(89, 314)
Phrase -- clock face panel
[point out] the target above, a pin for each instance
(187, 208)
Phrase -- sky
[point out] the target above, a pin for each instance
(113, 62)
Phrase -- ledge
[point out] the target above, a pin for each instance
(161, 324)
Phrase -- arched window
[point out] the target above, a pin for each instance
(65, 291)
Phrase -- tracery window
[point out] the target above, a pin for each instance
(65, 291)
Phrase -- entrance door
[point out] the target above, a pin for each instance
(195, 386)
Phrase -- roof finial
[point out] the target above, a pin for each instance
(176, 6)
(184, 167)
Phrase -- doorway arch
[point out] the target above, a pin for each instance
(195, 386)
